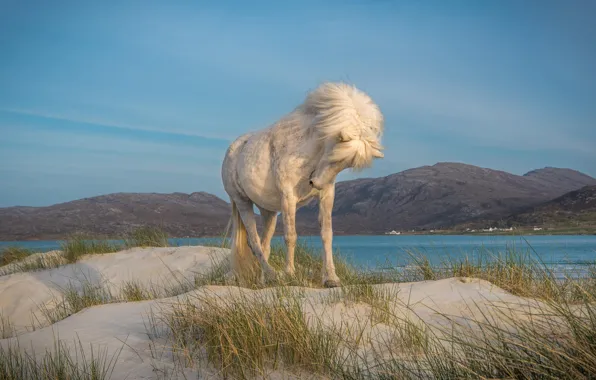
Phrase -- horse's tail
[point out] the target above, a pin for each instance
(243, 261)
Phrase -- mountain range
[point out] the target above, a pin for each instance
(196, 214)
(575, 209)
(442, 195)
(428, 197)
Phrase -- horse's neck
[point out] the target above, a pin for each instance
(299, 140)
(311, 147)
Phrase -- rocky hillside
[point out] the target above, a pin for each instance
(440, 196)
(574, 209)
(195, 214)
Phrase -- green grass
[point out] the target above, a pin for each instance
(133, 291)
(253, 332)
(516, 271)
(84, 293)
(58, 363)
(6, 327)
(248, 333)
(378, 298)
(147, 236)
(12, 254)
(80, 245)
(245, 337)
(16, 259)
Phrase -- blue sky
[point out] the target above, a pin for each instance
(101, 97)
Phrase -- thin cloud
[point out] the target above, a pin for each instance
(119, 125)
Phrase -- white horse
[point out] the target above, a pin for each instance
(283, 167)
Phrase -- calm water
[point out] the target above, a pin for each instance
(392, 250)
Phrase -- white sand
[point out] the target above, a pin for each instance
(22, 294)
(123, 326)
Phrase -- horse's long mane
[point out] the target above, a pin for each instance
(343, 113)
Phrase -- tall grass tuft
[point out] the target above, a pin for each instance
(147, 236)
(518, 272)
(6, 327)
(33, 262)
(308, 267)
(76, 298)
(247, 333)
(246, 336)
(12, 254)
(56, 364)
(79, 245)
(217, 273)
(135, 291)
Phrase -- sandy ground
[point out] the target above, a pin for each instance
(124, 326)
(23, 294)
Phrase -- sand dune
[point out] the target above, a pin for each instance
(22, 295)
(126, 326)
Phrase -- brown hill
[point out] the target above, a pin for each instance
(435, 196)
(196, 214)
(574, 209)
(439, 196)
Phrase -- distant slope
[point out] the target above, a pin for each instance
(180, 214)
(574, 209)
(439, 196)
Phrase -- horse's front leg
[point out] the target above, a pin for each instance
(289, 218)
(327, 196)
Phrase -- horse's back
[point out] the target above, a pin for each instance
(247, 170)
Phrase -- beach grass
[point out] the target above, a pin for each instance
(57, 363)
(79, 245)
(147, 236)
(12, 253)
(267, 329)
(273, 328)
(17, 259)
(517, 271)
(248, 335)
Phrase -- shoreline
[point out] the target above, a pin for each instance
(424, 233)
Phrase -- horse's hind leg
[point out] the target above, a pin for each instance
(269, 222)
(248, 218)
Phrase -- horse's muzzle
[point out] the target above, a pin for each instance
(310, 181)
(314, 185)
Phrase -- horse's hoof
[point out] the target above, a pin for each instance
(230, 277)
(332, 284)
(271, 277)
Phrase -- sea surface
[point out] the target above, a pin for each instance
(557, 251)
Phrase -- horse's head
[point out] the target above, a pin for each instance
(350, 124)
(344, 153)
